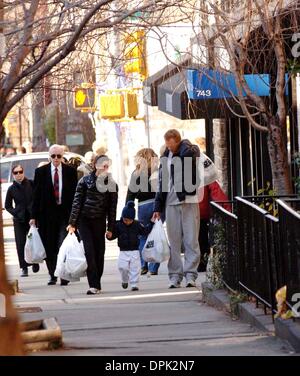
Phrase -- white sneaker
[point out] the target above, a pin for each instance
(190, 283)
(174, 285)
(93, 291)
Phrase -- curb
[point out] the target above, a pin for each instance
(248, 313)
(286, 330)
(289, 331)
(216, 298)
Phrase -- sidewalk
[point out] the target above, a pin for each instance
(153, 321)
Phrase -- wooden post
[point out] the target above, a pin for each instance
(10, 336)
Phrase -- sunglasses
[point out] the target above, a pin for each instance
(20, 172)
(102, 167)
(58, 156)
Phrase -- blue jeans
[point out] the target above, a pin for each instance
(145, 212)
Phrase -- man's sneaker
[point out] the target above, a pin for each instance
(134, 288)
(144, 271)
(35, 268)
(124, 285)
(93, 291)
(24, 272)
(191, 283)
(174, 285)
(153, 273)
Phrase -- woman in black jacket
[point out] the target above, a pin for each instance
(95, 201)
(20, 193)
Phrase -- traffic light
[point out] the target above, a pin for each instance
(112, 106)
(135, 53)
(84, 99)
(131, 103)
(118, 106)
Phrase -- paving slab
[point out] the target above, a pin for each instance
(152, 321)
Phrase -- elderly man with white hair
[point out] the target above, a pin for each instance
(53, 193)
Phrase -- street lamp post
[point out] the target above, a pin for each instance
(20, 125)
(147, 125)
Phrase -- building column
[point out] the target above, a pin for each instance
(221, 151)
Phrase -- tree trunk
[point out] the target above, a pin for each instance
(278, 157)
(10, 336)
(38, 115)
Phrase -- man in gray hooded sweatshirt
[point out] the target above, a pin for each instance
(178, 195)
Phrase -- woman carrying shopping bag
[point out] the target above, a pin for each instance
(18, 203)
(95, 202)
(142, 186)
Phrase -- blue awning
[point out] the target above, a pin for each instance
(212, 84)
(207, 93)
(172, 99)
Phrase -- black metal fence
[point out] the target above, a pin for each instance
(289, 224)
(257, 251)
(268, 203)
(261, 251)
(225, 229)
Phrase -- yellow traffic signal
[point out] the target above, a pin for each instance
(118, 106)
(132, 108)
(135, 53)
(112, 106)
(84, 99)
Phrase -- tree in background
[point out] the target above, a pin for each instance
(42, 38)
(241, 37)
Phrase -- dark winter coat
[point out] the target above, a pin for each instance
(44, 207)
(186, 150)
(21, 195)
(90, 203)
(129, 236)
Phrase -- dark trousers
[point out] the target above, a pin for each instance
(21, 231)
(92, 233)
(204, 240)
(53, 232)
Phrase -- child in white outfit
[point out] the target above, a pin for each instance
(128, 232)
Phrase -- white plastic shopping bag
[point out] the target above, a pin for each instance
(207, 170)
(156, 248)
(34, 251)
(76, 264)
(71, 262)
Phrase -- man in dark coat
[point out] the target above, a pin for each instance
(54, 189)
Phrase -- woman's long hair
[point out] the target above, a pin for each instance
(146, 160)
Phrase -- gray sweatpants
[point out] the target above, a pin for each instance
(183, 228)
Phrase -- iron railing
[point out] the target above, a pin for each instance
(289, 224)
(225, 223)
(257, 231)
(261, 251)
(269, 203)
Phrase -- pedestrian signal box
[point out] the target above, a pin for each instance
(84, 99)
(131, 103)
(117, 106)
(112, 106)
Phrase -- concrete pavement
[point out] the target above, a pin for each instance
(153, 321)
